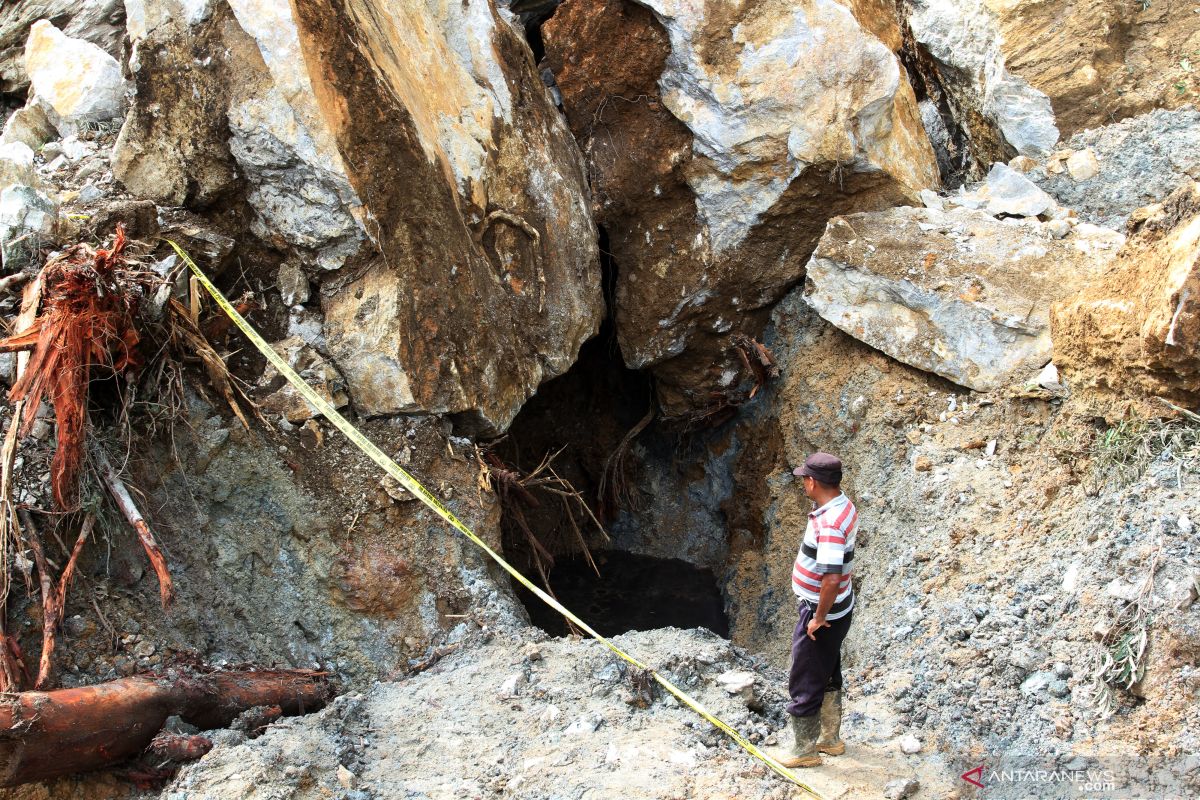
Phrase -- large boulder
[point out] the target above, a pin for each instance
(1135, 329)
(718, 145)
(74, 82)
(421, 177)
(957, 293)
(101, 22)
(1020, 74)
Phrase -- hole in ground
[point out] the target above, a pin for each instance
(584, 416)
(632, 593)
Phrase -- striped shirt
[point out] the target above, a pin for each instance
(827, 547)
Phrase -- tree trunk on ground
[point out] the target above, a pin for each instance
(50, 734)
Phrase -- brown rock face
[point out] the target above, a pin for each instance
(1100, 61)
(172, 147)
(715, 161)
(488, 279)
(1135, 330)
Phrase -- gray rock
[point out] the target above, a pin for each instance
(901, 788)
(1009, 192)
(1144, 159)
(956, 293)
(1037, 683)
(27, 219)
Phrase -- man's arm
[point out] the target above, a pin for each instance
(829, 593)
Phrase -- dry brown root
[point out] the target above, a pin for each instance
(129, 510)
(47, 735)
(85, 323)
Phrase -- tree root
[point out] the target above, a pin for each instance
(47, 735)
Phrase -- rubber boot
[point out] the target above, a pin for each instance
(803, 751)
(830, 741)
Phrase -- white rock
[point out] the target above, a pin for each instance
(969, 301)
(512, 685)
(29, 126)
(16, 165)
(1082, 165)
(910, 745)
(735, 682)
(1007, 191)
(588, 723)
(74, 81)
(550, 715)
(1049, 378)
(1185, 525)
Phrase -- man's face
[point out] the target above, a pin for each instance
(809, 485)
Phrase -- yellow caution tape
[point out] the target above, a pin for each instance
(413, 485)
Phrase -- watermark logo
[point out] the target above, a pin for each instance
(974, 776)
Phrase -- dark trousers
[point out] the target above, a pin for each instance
(816, 665)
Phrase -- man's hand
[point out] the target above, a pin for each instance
(829, 590)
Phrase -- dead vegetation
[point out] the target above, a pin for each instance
(98, 330)
(758, 369)
(518, 492)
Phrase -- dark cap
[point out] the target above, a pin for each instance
(823, 467)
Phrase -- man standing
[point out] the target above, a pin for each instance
(821, 581)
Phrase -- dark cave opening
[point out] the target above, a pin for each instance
(581, 419)
(632, 593)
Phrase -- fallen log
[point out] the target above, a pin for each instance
(47, 735)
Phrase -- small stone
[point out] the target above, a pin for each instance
(1009, 192)
(144, 649)
(1082, 165)
(292, 283)
(923, 464)
(735, 682)
(345, 777)
(1058, 228)
(588, 723)
(549, 715)
(901, 788)
(1185, 525)
(1059, 689)
(512, 685)
(910, 745)
(1023, 164)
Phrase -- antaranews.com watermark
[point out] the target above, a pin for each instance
(1092, 783)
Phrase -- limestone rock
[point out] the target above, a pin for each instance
(28, 126)
(16, 165)
(316, 370)
(100, 22)
(488, 281)
(966, 37)
(956, 293)
(472, 283)
(1135, 329)
(75, 82)
(739, 133)
(27, 220)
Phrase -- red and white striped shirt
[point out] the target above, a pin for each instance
(827, 547)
